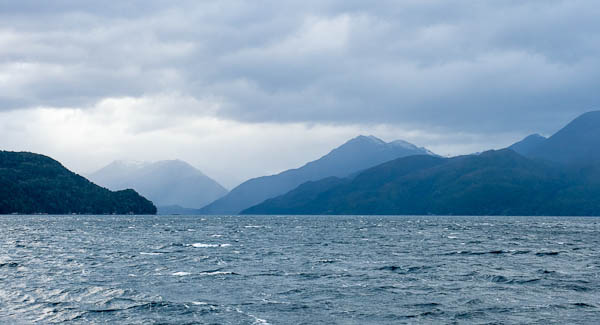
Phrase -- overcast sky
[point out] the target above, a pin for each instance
(246, 88)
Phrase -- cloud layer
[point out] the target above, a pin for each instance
(481, 68)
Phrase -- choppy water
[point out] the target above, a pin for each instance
(299, 270)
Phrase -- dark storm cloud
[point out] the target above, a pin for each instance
(468, 65)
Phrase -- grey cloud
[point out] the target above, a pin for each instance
(495, 66)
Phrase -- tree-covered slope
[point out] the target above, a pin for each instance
(33, 183)
(493, 183)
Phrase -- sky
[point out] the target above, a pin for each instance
(241, 89)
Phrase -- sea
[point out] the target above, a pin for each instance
(299, 270)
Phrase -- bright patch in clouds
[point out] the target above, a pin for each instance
(230, 151)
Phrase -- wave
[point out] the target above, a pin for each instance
(203, 245)
(181, 274)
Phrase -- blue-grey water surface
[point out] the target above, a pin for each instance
(299, 270)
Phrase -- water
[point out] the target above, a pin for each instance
(299, 270)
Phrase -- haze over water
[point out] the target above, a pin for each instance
(299, 269)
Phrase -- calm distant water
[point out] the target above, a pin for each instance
(299, 270)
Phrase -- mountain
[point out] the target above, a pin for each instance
(577, 143)
(33, 183)
(525, 146)
(493, 183)
(355, 155)
(166, 183)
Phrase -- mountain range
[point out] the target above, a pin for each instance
(559, 175)
(173, 185)
(492, 183)
(353, 156)
(33, 183)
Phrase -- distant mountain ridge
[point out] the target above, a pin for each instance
(33, 183)
(356, 154)
(166, 183)
(492, 183)
(536, 176)
(525, 146)
(577, 143)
